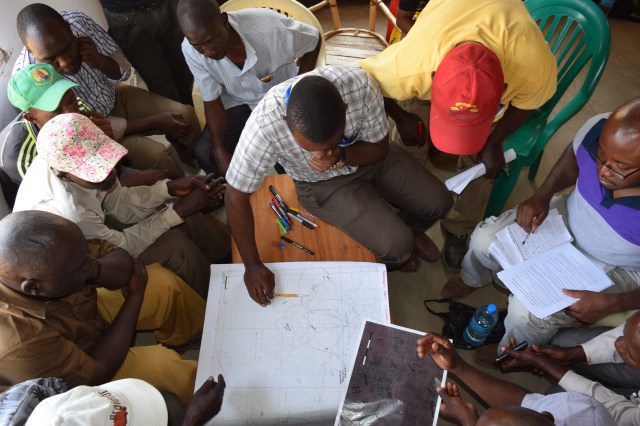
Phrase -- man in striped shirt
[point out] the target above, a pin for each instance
(84, 53)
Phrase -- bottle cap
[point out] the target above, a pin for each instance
(491, 308)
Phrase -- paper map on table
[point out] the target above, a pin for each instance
(288, 362)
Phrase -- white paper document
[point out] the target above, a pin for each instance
(460, 181)
(288, 362)
(514, 245)
(538, 282)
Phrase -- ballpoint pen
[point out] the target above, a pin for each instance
(530, 232)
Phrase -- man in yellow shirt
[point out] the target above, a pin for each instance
(476, 69)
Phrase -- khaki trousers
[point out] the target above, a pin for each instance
(363, 204)
(175, 314)
(468, 208)
(145, 153)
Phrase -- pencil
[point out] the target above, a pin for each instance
(285, 295)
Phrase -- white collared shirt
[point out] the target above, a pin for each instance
(272, 42)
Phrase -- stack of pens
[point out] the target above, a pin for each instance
(284, 213)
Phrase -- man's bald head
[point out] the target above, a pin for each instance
(514, 415)
(196, 15)
(29, 239)
(624, 122)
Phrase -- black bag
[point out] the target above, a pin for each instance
(457, 319)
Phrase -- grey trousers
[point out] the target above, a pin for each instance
(620, 378)
(152, 41)
(362, 204)
(190, 249)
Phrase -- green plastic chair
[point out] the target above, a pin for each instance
(577, 31)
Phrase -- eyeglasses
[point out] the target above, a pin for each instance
(594, 150)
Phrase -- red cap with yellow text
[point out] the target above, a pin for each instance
(465, 96)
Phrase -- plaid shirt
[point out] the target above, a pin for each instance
(266, 139)
(98, 90)
(272, 42)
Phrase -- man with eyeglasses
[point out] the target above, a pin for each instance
(602, 212)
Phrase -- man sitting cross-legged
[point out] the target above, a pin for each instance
(54, 323)
(328, 130)
(602, 213)
(74, 176)
(84, 53)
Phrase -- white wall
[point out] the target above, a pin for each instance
(10, 44)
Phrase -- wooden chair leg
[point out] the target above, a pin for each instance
(335, 15)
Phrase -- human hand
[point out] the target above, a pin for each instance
(260, 283)
(138, 280)
(454, 407)
(89, 53)
(441, 350)
(492, 156)
(100, 121)
(412, 130)
(533, 360)
(222, 157)
(174, 125)
(592, 305)
(147, 177)
(532, 212)
(183, 185)
(199, 200)
(321, 161)
(206, 402)
(564, 356)
(115, 269)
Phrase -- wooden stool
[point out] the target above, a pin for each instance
(326, 241)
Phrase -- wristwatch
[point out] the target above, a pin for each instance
(340, 163)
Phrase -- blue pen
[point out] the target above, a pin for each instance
(284, 221)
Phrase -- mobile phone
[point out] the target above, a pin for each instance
(519, 347)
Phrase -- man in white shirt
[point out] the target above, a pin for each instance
(621, 344)
(511, 404)
(236, 58)
(74, 176)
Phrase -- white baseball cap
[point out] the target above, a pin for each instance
(127, 402)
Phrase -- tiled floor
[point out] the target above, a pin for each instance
(620, 82)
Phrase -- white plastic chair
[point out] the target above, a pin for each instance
(290, 8)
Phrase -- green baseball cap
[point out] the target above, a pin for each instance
(37, 86)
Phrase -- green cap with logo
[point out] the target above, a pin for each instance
(37, 86)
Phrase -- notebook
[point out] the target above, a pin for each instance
(509, 250)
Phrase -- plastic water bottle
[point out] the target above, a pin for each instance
(481, 324)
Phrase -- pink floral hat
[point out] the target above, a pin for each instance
(71, 143)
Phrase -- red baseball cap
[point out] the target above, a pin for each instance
(465, 96)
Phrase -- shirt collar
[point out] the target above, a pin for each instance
(17, 300)
(252, 58)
